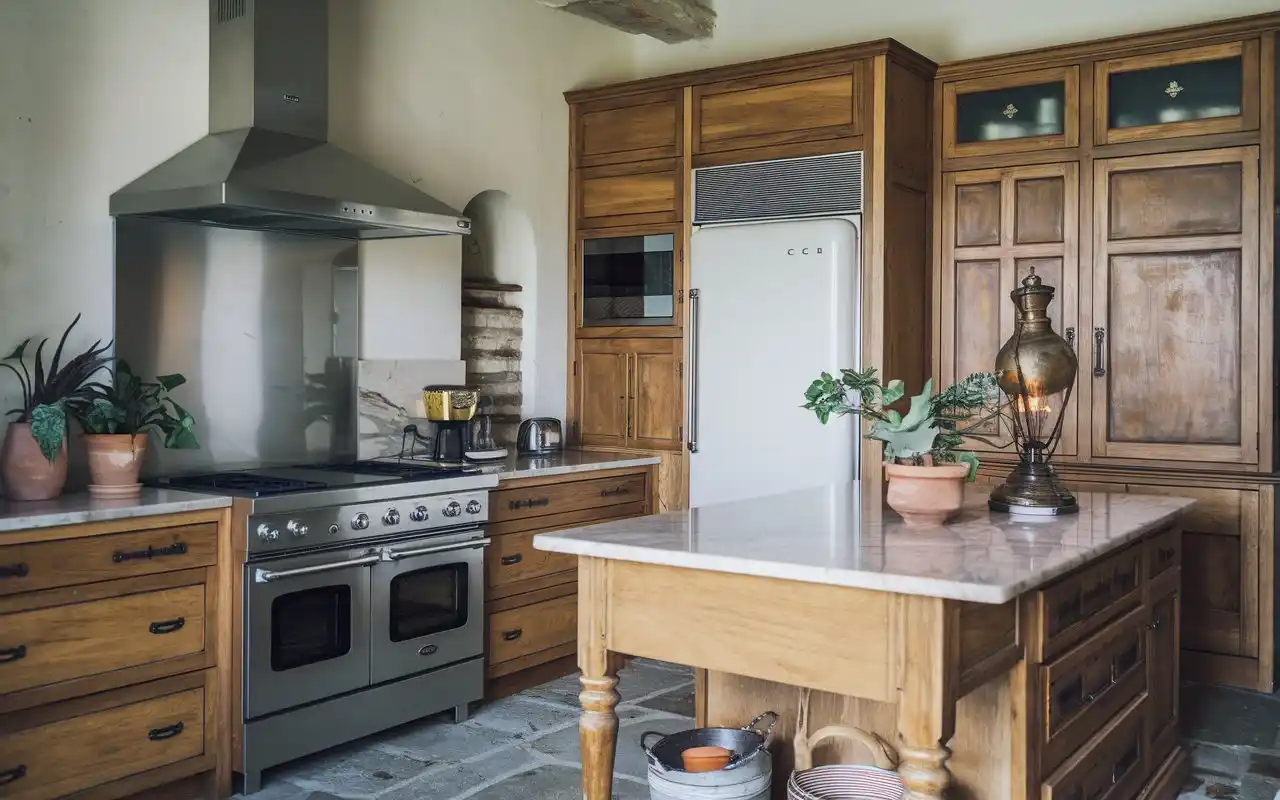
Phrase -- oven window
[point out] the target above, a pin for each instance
(310, 626)
(428, 601)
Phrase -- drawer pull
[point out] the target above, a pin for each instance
(167, 732)
(175, 549)
(13, 654)
(512, 635)
(13, 570)
(614, 492)
(10, 775)
(508, 561)
(536, 502)
(168, 626)
(1155, 625)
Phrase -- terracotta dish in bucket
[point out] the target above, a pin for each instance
(705, 759)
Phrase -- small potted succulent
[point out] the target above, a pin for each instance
(116, 422)
(924, 465)
(33, 460)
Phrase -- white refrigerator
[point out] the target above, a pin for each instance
(772, 305)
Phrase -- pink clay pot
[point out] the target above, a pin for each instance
(926, 496)
(27, 474)
(114, 462)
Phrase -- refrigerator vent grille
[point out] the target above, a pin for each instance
(792, 187)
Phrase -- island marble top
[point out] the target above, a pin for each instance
(843, 536)
(564, 462)
(77, 508)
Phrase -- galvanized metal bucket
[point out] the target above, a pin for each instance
(747, 777)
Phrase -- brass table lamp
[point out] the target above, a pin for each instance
(1036, 368)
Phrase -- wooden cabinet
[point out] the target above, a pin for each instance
(997, 226)
(618, 130)
(1163, 672)
(636, 193)
(629, 393)
(1175, 339)
(1185, 92)
(1025, 111)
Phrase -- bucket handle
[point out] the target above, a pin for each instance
(648, 749)
(767, 733)
(884, 756)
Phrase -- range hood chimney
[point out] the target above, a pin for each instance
(266, 163)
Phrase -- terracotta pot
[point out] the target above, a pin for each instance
(114, 462)
(705, 759)
(926, 495)
(28, 475)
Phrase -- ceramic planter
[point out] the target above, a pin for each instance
(926, 496)
(114, 462)
(27, 474)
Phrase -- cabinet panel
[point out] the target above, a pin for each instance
(1175, 308)
(1030, 110)
(628, 194)
(1163, 674)
(1039, 213)
(632, 128)
(799, 106)
(630, 393)
(977, 211)
(656, 407)
(602, 393)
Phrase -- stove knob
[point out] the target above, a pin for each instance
(392, 517)
(360, 521)
(473, 507)
(267, 533)
(297, 528)
(333, 529)
(453, 509)
(419, 514)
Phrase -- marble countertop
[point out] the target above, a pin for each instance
(565, 462)
(841, 536)
(73, 509)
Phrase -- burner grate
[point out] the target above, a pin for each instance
(244, 483)
(397, 469)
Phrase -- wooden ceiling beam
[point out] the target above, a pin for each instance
(671, 21)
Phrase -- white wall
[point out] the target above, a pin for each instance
(943, 30)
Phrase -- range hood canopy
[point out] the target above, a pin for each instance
(266, 163)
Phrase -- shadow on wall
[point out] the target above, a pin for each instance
(499, 267)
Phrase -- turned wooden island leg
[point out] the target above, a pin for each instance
(598, 723)
(926, 697)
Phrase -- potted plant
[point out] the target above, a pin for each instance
(33, 460)
(924, 465)
(116, 423)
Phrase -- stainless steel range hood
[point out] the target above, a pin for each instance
(266, 164)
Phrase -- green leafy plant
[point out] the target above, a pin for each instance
(935, 425)
(133, 406)
(50, 392)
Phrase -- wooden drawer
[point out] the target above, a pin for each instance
(62, 756)
(1164, 552)
(1075, 606)
(1090, 683)
(617, 130)
(1110, 767)
(629, 194)
(557, 498)
(521, 631)
(569, 519)
(512, 558)
(60, 643)
(69, 562)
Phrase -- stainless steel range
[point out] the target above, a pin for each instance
(363, 601)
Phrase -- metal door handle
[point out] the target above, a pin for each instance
(617, 490)
(508, 561)
(512, 635)
(396, 555)
(694, 299)
(1070, 336)
(266, 575)
(167, 732)
(13, 654)
(175, 549)
(168, 626)
(13, 570)
(1099, 368)
(8, 776)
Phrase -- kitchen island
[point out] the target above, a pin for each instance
(1042, 653)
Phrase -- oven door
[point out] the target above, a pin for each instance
(428, 603)
(307, 624)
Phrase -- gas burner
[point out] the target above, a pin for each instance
(244, 483)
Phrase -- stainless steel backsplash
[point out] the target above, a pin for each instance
(263, 325)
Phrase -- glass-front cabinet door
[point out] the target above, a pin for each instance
(1037, 110)
(1191, 92)
(629, 282)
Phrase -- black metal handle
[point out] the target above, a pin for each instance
(168, 626)
(509, 560)
(8, 776)
(512, 635)
(617, 490)
(1155, 625)
(1099, 368)
(175, 549)
(13, 570)
(1070, 336)
(13, 654)
(516, 505)
(167, 732)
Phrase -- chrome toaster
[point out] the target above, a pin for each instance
(539, 435)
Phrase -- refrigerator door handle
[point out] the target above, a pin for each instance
(693, 370)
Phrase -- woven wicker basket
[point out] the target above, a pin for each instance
(842, 781)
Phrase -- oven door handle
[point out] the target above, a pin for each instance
(267, 575)
(396, 555)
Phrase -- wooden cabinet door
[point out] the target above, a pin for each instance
(1174, 365)
(998, 225)
(603, 373)
(805, 105)
(657, 394)
(628, 194)
(1029, 110)
(619, 130)
(1163, 685)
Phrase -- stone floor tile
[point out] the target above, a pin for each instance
(667, 665)
(679, 701)
(357, 770)
(636, 680)
(445, 782)
(563, 745)
(277, 788)
(563, 691)
(553, 782)
(521, 718)
(438, 739)
(1230, 716)
(1215, 763)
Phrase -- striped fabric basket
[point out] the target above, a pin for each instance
(841, 781)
